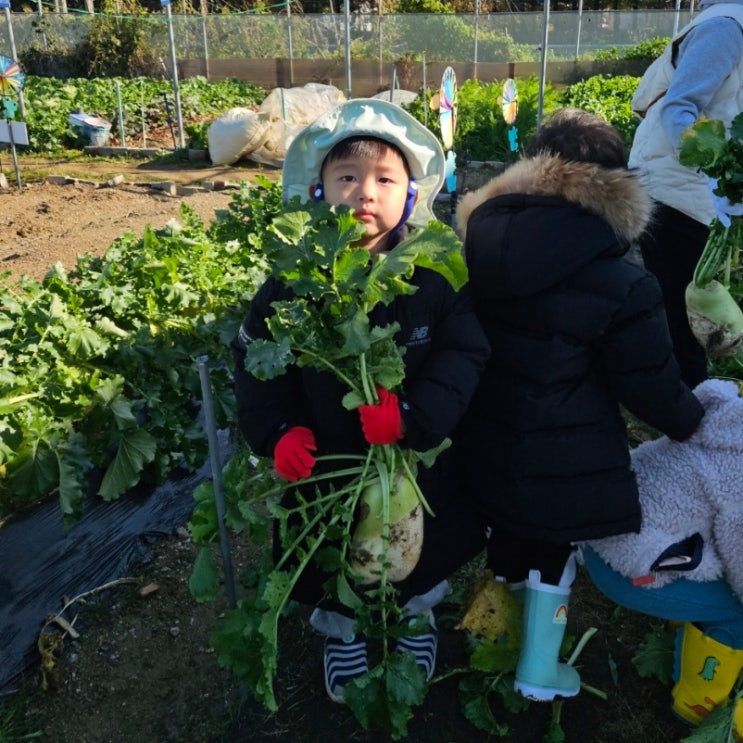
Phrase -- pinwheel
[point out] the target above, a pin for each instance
(510, 108)
(12, 77)
(448, 107)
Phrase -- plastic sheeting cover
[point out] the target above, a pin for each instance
(41, 563)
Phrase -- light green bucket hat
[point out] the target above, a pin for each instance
(375, 118)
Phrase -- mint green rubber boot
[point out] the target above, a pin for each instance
(539, 675)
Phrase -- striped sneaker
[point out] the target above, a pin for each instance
(422, 645)
(343, 660)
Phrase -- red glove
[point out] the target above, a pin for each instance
(292, 455)
(382, 423)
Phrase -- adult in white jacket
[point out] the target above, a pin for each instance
(699, 74)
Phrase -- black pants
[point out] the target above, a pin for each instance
(671, 248)
(512, 556)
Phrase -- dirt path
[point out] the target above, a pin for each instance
(44, 222)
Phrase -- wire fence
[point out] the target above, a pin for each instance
(462, 37)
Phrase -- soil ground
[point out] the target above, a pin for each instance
(142, 669)
(42, 222)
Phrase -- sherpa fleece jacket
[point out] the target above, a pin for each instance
(687, 488)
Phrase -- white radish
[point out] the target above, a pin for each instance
(715, 319)
(403, 549)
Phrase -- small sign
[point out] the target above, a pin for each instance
(4, 3)
(18, 129)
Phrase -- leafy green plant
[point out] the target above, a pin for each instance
(655, 655)
(98, 378)
(196, 135)
(14, 727)
(49, 102)
(709, 146)
(645, 50)
(607, 97)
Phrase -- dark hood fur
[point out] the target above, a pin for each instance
(613, 194)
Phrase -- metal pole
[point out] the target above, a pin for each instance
(216, 465)
(204, 37)
(379, 40)
(580, 26)
(120, 110)
(543, 75)
(477, 31)
(174, 73)
(291, 45)
(5, 4)
(347, 20)
(425, 90)
(676, 18)
(41, 23)
(289, 27)
(13, 153)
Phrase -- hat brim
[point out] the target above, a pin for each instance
(375, 118)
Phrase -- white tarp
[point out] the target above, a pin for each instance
(264, 135)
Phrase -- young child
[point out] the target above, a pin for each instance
(577, 331)
(376, 158)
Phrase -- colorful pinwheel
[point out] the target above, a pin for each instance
(510, 107)
(12, 77)
(448, 107)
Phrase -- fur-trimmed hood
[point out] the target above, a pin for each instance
(613, 194)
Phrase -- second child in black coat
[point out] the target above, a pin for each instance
(577, 331)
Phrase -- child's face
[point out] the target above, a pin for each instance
(376, 188)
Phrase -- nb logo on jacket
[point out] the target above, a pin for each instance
(418, 336)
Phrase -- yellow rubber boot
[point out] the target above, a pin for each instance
(706, 671)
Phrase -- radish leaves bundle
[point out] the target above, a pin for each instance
(714, 315)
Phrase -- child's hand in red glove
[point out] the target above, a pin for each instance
(382, 423)
(292, 455)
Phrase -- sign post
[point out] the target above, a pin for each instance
(13, 133)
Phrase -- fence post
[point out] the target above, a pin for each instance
(174, 73)
(216, 464)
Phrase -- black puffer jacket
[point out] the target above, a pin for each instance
(576, 331)
(445, 351)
